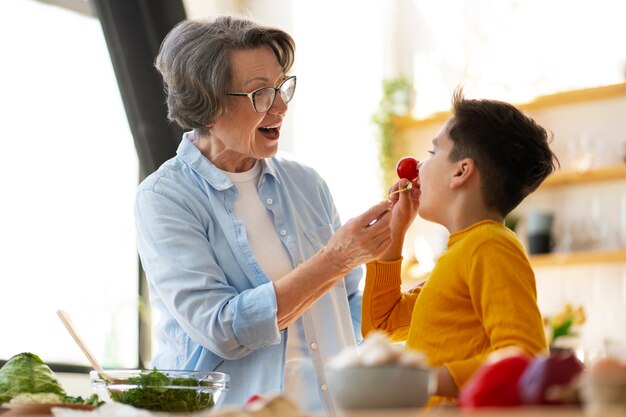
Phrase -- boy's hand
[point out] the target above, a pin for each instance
(445, 384)
(406, 205)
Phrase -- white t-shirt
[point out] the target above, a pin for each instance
(274, 260)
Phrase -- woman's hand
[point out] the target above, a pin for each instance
(362, 238)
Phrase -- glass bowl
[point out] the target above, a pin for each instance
(162, 390)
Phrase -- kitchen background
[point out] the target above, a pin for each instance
(69, 167)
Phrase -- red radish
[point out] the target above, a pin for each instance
(253, 398)
(550, 380)
(407, 167)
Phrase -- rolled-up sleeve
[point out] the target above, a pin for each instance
(254, 320)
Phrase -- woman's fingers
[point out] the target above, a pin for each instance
(376, 237)
(373, 214)
(364, 237)
(380, 224)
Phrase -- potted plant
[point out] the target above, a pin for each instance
(397, 100)
(563, 326)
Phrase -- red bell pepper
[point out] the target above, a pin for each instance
(495, 383)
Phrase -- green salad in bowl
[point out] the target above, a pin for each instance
(162, 390)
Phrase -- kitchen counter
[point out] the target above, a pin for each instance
(555, 411)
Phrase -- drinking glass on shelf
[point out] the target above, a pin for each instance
(580, 153)
(590, 225)
(562, 234)
(588, 151)
(622, 220)
(598, 225)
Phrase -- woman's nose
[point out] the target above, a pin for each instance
(278, 106)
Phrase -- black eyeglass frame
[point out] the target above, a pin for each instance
(277, 90)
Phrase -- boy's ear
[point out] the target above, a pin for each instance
(464, 171)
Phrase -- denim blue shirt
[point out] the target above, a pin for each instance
(215, 309)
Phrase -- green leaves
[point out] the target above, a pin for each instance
(27, 373)
(91, 400)
(158, 392)
(388, 108)
(563, 329)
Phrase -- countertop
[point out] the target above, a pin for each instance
(553, 411)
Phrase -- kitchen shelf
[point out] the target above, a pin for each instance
(579, 258)
(562, 178)
(605, 92)
(417, 132)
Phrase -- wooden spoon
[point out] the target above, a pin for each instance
(65, 318)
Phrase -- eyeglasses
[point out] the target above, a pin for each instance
(263, 98)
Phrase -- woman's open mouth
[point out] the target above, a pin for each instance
(270, 132)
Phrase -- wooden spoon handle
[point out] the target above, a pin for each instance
(79, 341)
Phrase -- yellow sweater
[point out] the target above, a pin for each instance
(480, 297)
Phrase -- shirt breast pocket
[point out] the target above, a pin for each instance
(318, 237)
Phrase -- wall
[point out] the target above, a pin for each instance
(589, 217)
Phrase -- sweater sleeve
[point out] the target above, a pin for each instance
(384, 306)
(502, 287)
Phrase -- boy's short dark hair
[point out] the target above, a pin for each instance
(510, 149)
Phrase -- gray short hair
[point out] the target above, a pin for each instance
(194, 60)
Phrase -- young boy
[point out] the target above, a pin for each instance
(481, 295)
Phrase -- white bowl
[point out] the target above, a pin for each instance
(386, 386)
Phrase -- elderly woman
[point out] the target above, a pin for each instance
(248, 268)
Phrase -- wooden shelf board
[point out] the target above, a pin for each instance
(604, 92)
(558, 99)
(407, 122)
(578, 258)
(581, 177)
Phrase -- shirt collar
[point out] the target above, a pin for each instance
(192, 156)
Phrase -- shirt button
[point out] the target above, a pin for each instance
(313, 345)
(324, 387)
(269, 201)
(283, 232)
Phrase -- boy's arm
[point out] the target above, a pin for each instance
(384, 306)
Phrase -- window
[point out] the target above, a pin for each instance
(68, 176)
(513, 50)
(340, 60)
(339, 87)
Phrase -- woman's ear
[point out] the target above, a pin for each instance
(464, 171)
